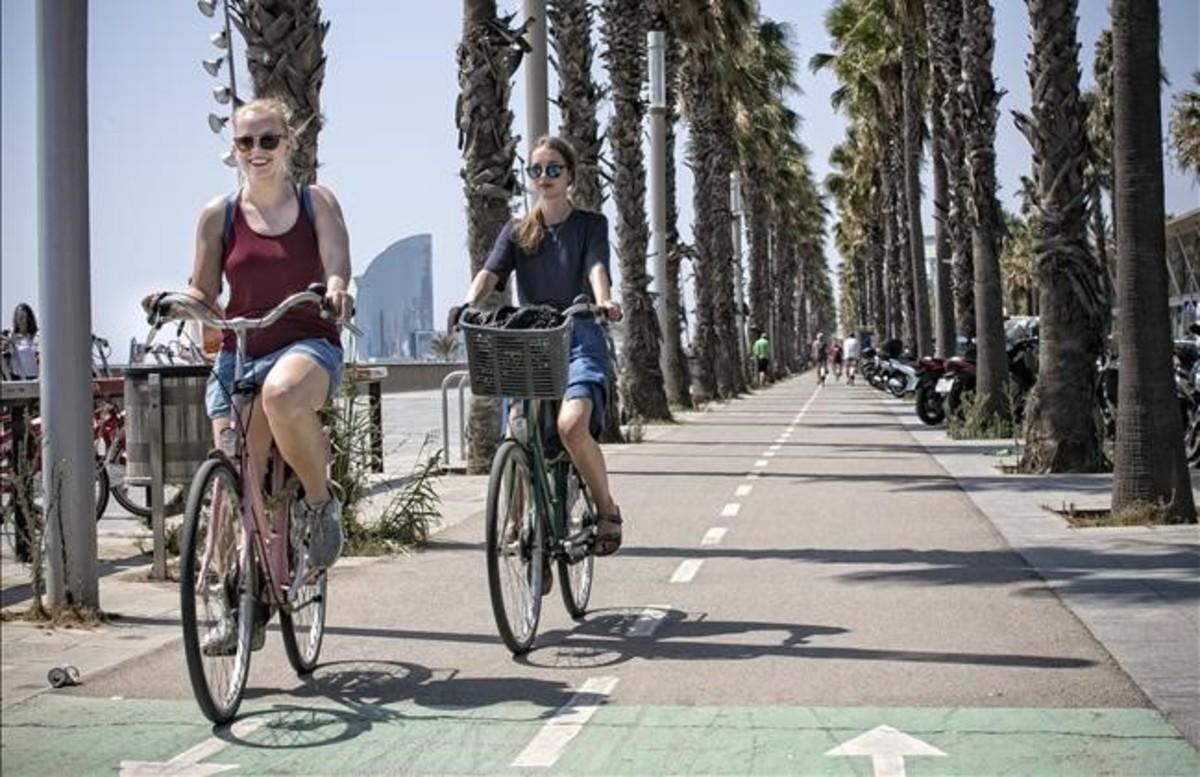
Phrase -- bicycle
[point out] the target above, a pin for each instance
(539, 510)
(232, 575)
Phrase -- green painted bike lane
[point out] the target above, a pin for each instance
(53, 734)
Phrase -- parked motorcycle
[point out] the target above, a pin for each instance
(928, 401)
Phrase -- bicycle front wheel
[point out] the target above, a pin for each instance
(217, 584)
(575, 571)
(515, 549)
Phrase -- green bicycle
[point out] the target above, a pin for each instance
(539, 511)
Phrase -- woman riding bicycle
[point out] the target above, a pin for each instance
(559, 253)
(271, 239)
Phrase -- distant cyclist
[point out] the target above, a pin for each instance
(271, 239)
(850, 352)
(820, 356)
(559, 253)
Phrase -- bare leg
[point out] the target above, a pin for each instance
(293, 392)
(585, 452)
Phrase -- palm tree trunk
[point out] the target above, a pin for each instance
(758, 225)
(285, 55)
(570, 33)
(912, 118)
(641, 375)
(1150, 465)
(1059, 438)
(979, 109)
(945, 22)
(941, 210)
(488, 54)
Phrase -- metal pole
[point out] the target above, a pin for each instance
(537, 120)
(233, 95)
(657, 44)
(154, 433)
(64, 299)
(736, 209)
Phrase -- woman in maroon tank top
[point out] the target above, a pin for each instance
(275, 248)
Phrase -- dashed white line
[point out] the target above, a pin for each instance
(714, 535)
(743, 490)
(565, 724)
(687, 570)
(730, 510)
(752, 475)
(769, 454)
(776, 447)
(760, 463)
(649, 620)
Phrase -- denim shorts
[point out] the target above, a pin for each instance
(220, 382)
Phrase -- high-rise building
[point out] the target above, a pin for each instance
(394, 301)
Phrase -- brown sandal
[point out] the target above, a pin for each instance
(608, 533)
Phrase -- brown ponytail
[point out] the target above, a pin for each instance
(532, 228)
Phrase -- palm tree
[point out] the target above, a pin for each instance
(909, 17)
(945, 50)
(712, 33)
(624, 34)
(570, 34)
(444, 346)
(979, 120)
(1059, 438)
(488, 55)
(1150, 466)
(286, 58)
(1185, 127)
(943, 181)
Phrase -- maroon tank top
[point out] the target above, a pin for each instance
(262, 271)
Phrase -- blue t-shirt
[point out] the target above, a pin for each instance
(558, 271)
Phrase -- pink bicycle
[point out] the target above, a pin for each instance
(239, 557)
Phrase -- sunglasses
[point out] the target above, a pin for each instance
(552, 170)
(268, 142)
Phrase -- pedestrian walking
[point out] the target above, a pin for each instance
(762, 358)
(835, 356)
(850, 353)
(820, 356)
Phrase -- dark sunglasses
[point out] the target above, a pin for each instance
(552, 170)
(268, 142)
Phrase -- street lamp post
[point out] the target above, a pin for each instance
(657, 42)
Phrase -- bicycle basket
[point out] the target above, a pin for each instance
(518, 363)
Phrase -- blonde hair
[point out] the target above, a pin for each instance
(532, 228)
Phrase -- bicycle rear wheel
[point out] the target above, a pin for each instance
(575, 577)
(136, 499)
(217, 584)
(515, 549)
(303, 622)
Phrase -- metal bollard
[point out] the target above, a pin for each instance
(461, 376)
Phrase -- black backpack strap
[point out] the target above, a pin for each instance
(231, 203)
(304, 192)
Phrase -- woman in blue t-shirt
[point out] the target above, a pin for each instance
(559, 253)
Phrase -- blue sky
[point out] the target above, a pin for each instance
(389, 146)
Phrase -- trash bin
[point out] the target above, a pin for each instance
(186, 429)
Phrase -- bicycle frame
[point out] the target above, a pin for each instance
(548, 486)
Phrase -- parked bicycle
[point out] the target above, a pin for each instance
(240, 559)
(539, 511)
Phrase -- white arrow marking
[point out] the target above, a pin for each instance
(187, 763)
(886, 748)
(565, 724)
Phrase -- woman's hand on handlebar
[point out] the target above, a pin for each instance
(610, 309)
(340, 303)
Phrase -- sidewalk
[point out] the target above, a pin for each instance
(1135, 589)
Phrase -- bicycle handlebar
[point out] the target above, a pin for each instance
(207, 314)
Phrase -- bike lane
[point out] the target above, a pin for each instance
(854, 616)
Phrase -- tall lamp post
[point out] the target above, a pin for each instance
(737, 209)
(223, 94)
(657, 43)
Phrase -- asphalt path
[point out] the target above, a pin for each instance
(797, 572)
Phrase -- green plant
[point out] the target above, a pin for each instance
(408, 516)
(971, 422)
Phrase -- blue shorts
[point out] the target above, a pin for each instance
(220, 382)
